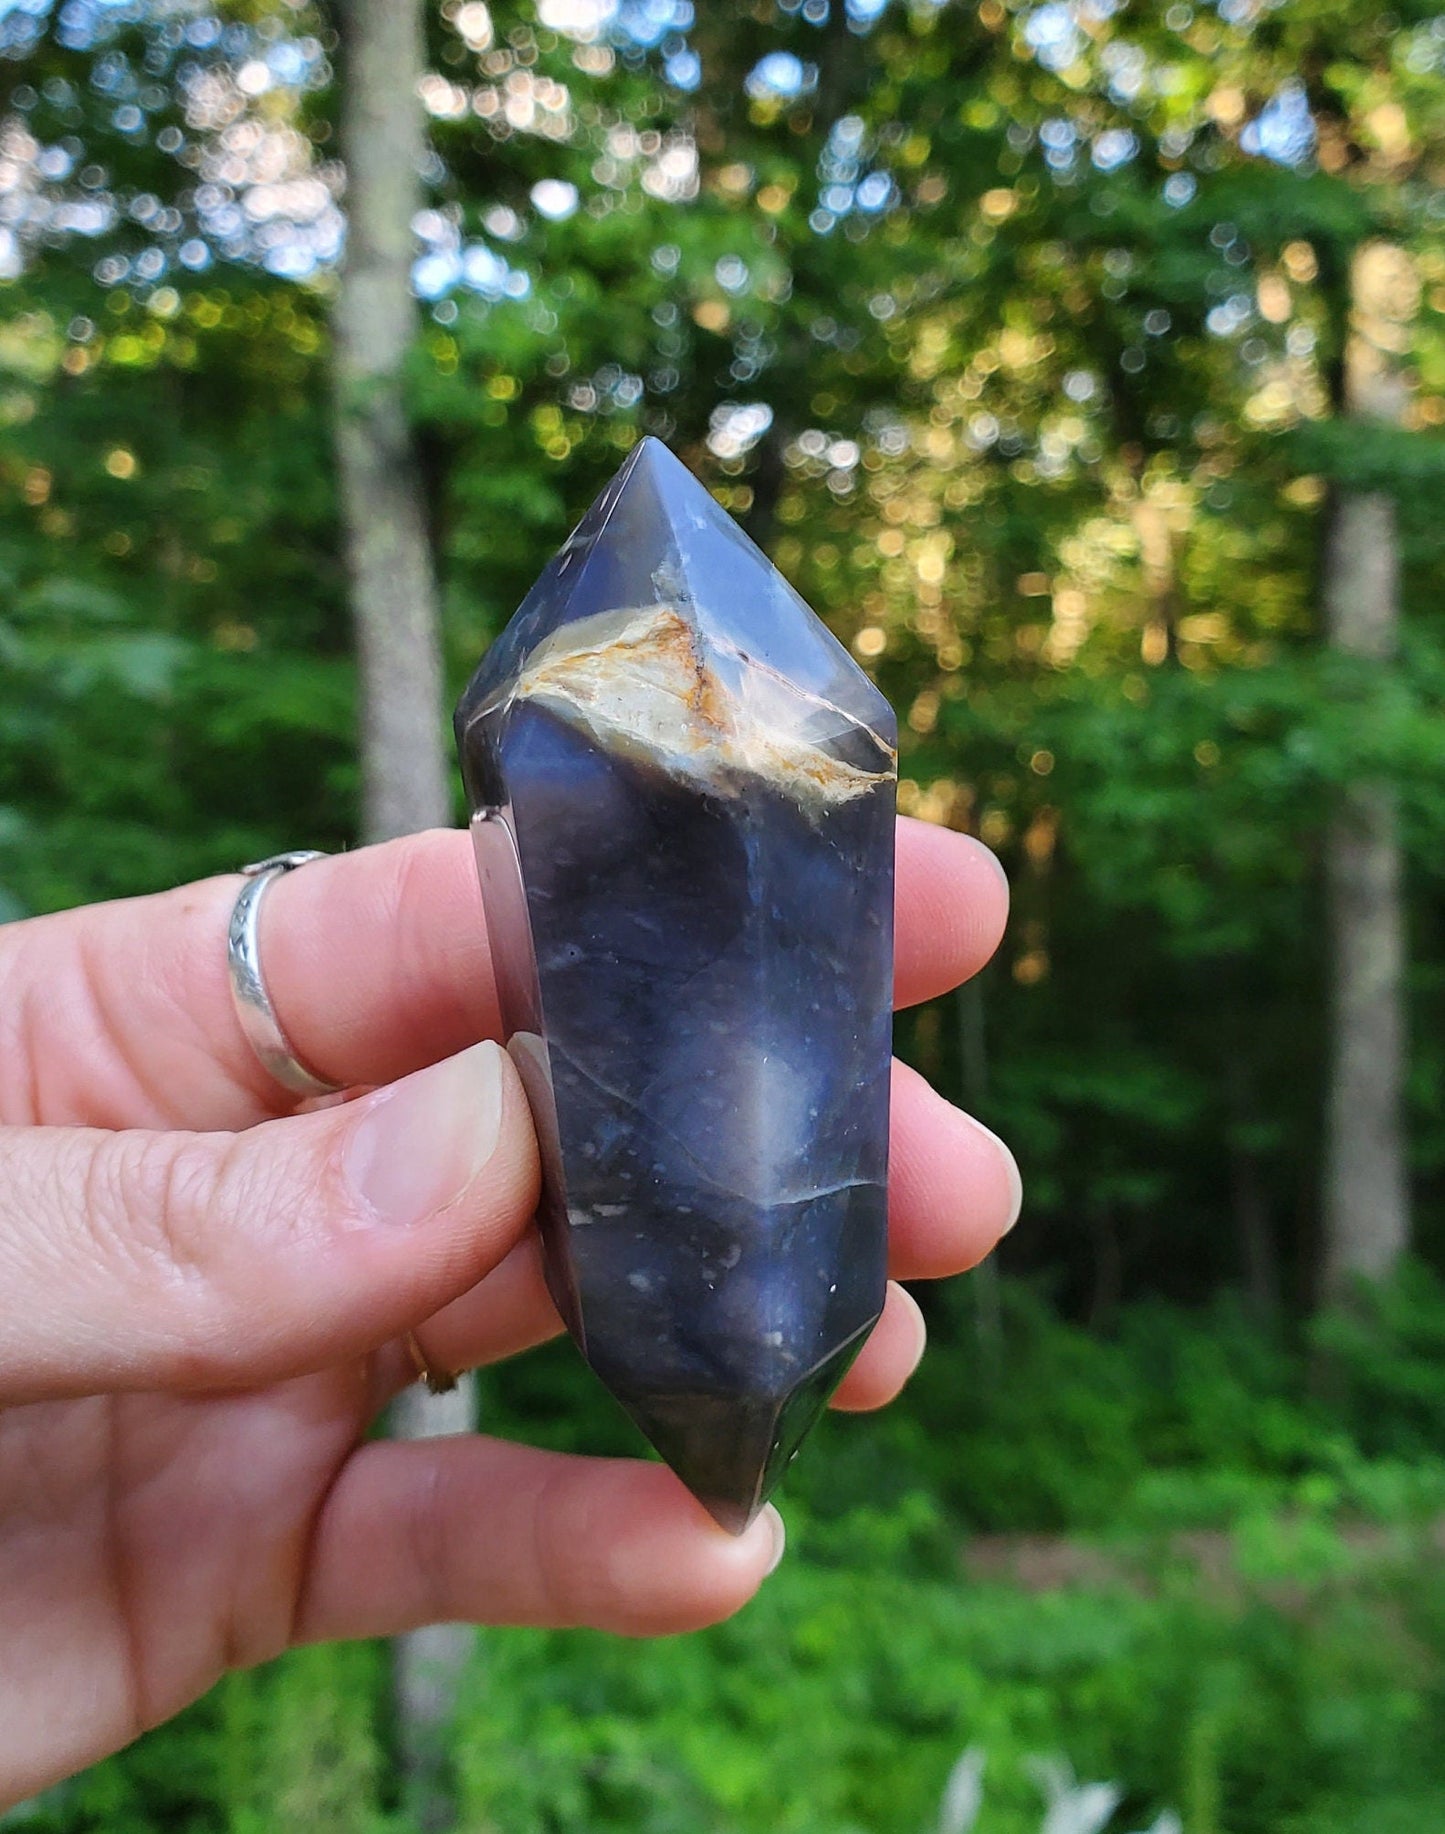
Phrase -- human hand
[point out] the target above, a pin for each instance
(206, 1294)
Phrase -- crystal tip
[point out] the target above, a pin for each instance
(731, 1450)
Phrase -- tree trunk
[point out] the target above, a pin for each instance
(1366, 1197)
(428, 1665)
(394, 600)
(405, 778)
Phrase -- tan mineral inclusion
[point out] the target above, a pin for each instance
(645, 684)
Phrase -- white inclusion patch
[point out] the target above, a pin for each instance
(751, 1133)
(646, 685)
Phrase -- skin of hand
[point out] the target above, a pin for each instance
(206, 1291)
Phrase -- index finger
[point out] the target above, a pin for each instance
(379, 960)
(377, 964)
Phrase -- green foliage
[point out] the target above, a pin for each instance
(1240, 1614)
(837, 1704)
(293, 1745)
(1020, 1422)
(1386, 1355)
(1188, 1420)
(298, 1744)
(1073, 522)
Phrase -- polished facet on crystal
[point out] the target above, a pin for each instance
(683, 795)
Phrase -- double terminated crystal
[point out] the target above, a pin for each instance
(683, 791)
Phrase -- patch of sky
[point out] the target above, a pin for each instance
(261, 198)
(1284, 129)
(1230, 316)
(844, 186)
(503, 222)
(554, 199)
(640, 23)
(875, 192)
(88, 217)
(736, 427)
(288, 63)
(1425, 48)
(1115, 147)
(683, 69)
(112, 75)
(1052, 33)
(289, 261)
(21, 23)
(648, 22)
(584, 20)
(447, 264)
(731, 274)
(780, 74)
(1059, 139)
(1057, 32)
(484, 271)
(1127, 68)
(54, 162)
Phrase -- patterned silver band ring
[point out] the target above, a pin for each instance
(248, 988)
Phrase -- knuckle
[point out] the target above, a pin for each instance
(154, 1209)
(146, 1195)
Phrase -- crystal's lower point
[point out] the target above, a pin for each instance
(684, 797)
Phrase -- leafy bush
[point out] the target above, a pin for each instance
(1240, 1615)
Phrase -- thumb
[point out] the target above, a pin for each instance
(142, 1260)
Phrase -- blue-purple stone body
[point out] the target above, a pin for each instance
(683, 796)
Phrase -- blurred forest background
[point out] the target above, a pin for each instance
(1083, 362)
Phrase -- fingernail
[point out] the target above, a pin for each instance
(780, 1537)
(920, 1327)
(1011, 1169)
(418, 1144)
(1000, 870)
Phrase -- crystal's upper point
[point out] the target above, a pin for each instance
(710, 683)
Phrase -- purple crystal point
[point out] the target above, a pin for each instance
(683, 794)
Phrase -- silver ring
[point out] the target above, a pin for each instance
(253, 1003)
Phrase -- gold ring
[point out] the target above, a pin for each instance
(438, 1381)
